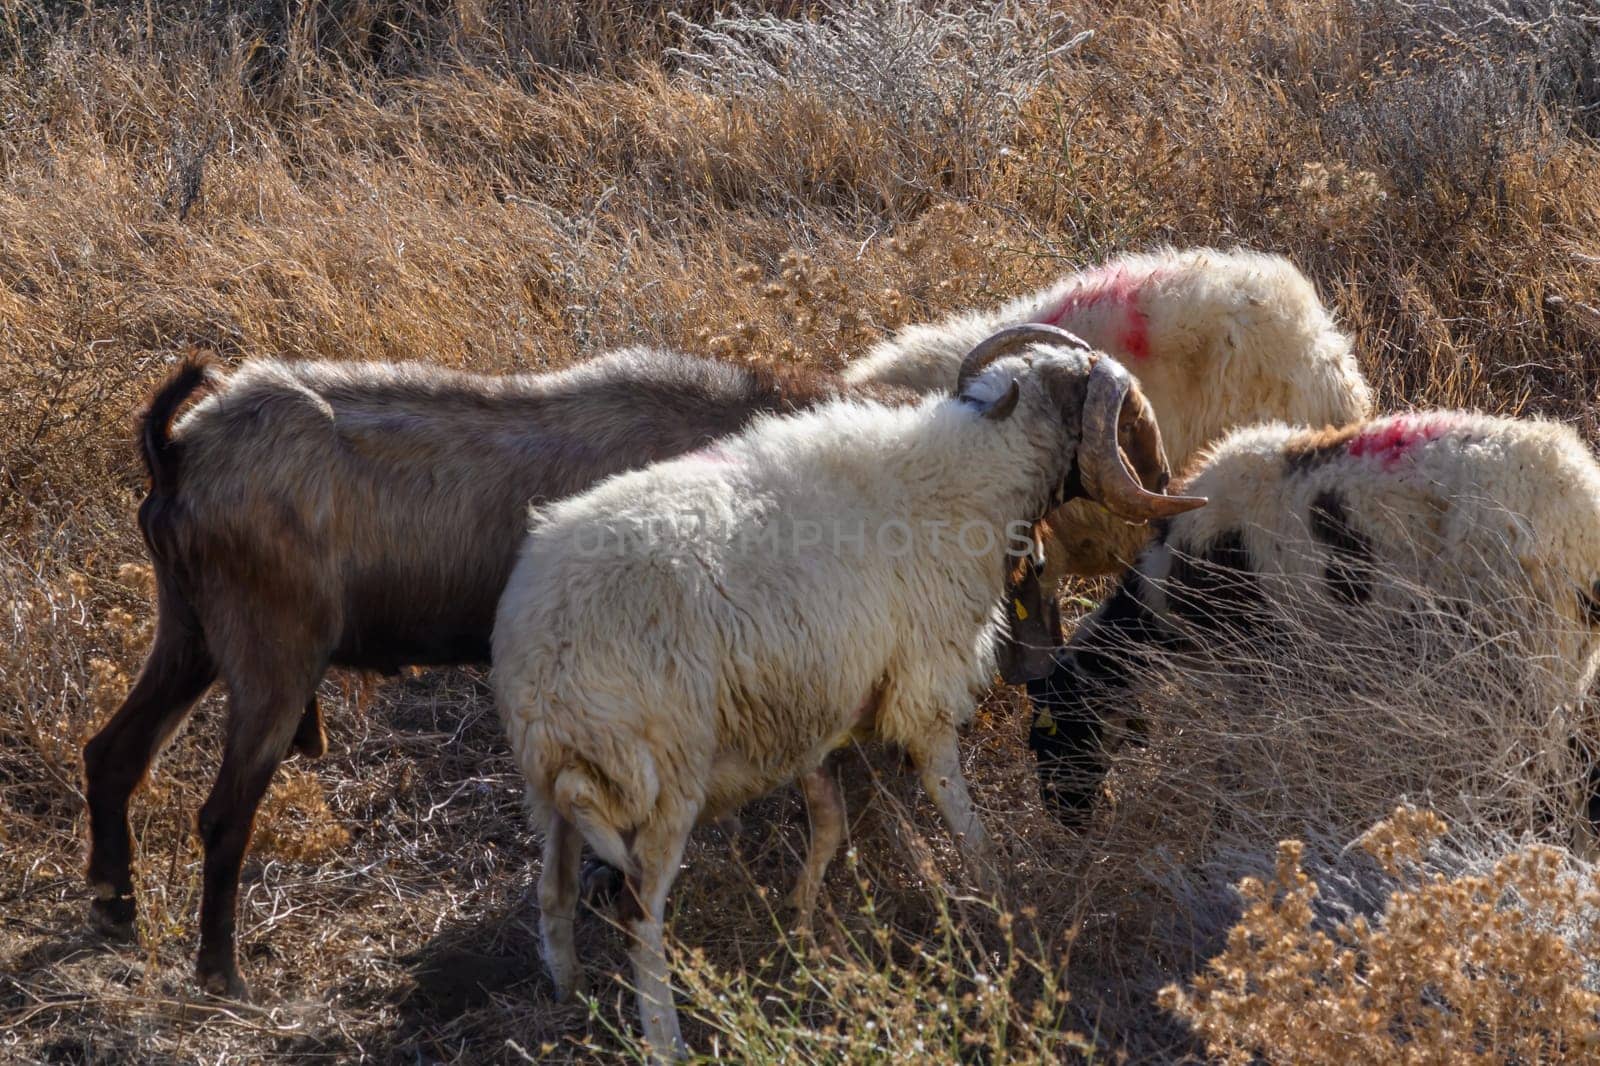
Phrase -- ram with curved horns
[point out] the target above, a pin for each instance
(836, 574)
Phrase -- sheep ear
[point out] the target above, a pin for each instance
(1001, 408)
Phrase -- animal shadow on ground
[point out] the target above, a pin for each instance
(27, 977)
(479, 982)
(428, 764)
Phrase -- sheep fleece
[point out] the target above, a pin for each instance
(1453, 501)
(648, 676)
(1217, 339)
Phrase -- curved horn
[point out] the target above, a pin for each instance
(1008, 340)
(1106, 475)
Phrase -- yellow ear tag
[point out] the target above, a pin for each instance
(1021, 611)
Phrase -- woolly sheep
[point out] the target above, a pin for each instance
(684, 638)
(1216, 339)
(1463, 505)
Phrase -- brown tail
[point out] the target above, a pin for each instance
(155, 437)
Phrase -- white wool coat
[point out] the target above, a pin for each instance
(691, 635)
(1465, 505)
(1217, 340)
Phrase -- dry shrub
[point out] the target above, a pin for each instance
(1488, 961)
(295, 822)
(1337, 196)
(1295, 712)
(61, 664)
(1298, 713)
(949, 78)
(1555, 44)
(1441, 133)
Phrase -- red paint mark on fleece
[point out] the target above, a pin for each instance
(1119, 288)
(1397, 438)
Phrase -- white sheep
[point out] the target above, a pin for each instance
(682, 639)
(1216, 339)
(1465, 506)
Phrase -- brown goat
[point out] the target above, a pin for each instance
(304, 515)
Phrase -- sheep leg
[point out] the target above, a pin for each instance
(116, 760)
(262, 721)
(1067, 734)
(558, 904)
(656, 853)
(938, 762)
(825, 806)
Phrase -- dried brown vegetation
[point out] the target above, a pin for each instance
(1483, 965)
(507, 185)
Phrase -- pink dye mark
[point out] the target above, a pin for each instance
(1393, 441)
(1119, 288)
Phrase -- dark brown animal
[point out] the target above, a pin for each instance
(307, 515)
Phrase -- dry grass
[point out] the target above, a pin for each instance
(504, 185)
(1305, 727)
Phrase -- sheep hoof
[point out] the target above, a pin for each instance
(572, 989)
(114, 919)
(797, 920)
(984, 877)
(225, 984)
(797, 915)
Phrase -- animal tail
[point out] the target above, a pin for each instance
(592, 806)
(161, 455)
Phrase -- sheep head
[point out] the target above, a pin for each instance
(1121, 463)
